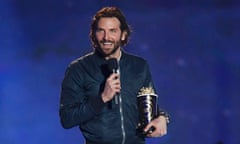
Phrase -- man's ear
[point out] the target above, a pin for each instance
(124, 35)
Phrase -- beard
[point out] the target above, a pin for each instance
(116, 46)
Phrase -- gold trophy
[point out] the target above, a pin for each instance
(147, 106)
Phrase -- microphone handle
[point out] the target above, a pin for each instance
(116, 97)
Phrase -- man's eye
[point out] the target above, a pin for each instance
(99, 30)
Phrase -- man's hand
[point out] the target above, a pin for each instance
(160, 125)
(112, 86)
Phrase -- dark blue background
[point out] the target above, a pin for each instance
(193, 49)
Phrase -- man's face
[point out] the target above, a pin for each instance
(109, 36)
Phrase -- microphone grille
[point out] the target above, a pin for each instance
(112, 64)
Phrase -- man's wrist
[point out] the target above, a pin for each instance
(165, 115)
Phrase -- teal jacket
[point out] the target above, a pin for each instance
(81, 104)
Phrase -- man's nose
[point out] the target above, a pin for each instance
(106, 36)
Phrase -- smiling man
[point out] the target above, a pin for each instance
(109, 36)
(95, 97)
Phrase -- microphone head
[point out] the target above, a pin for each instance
(112, 64)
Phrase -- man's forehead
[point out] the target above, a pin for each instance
(109, 21)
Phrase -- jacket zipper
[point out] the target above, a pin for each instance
(121, 114)
(122, 120)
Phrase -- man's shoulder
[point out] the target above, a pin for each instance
(134, 58)
(83, 58)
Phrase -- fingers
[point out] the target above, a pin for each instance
(114, 82)
(149, 130)
(146, 129)
(112, 86)
(114, 76)
(157, 133)
(160, 128)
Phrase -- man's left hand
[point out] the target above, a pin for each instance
(160, 127)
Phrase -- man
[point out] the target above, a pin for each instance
(101, 102)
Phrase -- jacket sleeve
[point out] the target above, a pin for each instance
(75, 107)
(149, 82)
(148, 77)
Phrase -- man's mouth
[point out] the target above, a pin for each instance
(107, 43)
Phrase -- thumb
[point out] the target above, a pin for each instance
(148, 127)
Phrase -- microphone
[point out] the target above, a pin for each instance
(112, 65)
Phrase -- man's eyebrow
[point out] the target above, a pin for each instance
(98, 28)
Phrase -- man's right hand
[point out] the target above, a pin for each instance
(112, 86)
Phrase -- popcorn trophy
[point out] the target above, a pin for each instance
(147, 107)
